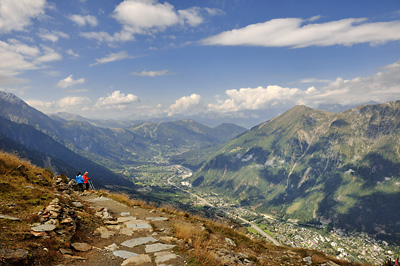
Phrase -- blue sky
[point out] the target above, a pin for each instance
(214, 61)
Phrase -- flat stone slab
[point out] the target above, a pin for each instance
(155, 219)
(164, 256)
(81, 246)
(124, 254)
(44, 228)
(137, 260)
(138, 225)
(125, 213)
(138, 241)
(8, 217)
(157, 247)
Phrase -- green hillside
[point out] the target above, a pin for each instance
(339, 169)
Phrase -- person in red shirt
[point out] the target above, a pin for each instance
(86, 181)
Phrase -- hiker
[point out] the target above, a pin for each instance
(86, 181)
(79, 181)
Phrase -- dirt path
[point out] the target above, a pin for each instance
(133, 236)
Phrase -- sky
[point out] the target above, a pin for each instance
(214, 61)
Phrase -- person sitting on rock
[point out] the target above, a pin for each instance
(79, 181)
(86, 181)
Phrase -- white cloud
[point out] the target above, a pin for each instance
(214, 11)
(256, 99)
(297, 33)
(52, 36)
(116, 100)
(69, 81)
(16, 57)
(149, 17)
(84, 20)
(72, 53)
(138, 16)
(191, 16)
(381, 87)
(16, 15)
(48, 55)
(184, 104)
(112, 57)
(73, 102)
(151, 73)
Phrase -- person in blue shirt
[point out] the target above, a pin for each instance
(79, 181)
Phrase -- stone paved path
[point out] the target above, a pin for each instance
(131, 236)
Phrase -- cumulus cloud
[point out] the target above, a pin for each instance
(16, 15)
(112, 57)
(16, 57)
(116, 100)
(381, 87)
(69, 81)
(191, 16)
(184, 104)
(52, 36)
(384, 86)
(256, 98)
(84, 20)
(151, 73)
(297, 33)
(48, 55)
(149, 17)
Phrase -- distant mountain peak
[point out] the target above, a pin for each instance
(11, 98)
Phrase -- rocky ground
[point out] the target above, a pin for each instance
(130, 236)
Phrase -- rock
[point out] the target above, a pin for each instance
(230, 242)
(308, 259)
(38, 234)
(83, 247)
(155, 219)
(138, 225)
(4, 216)
(125, 213)
(137, 260)
(13, 256)
(44, 228)
(108, 222)
(157, 247)
(138, 241)
(66, 251)
(77, 204)
(124, 254)
(74, 257)
(164, 257)
(111, 247)
(54, 208)
(104, 232)
(67, 221)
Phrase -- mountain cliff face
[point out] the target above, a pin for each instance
(342, 169)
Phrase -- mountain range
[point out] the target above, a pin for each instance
(80, 143)
(317, 167)
(340, 169)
